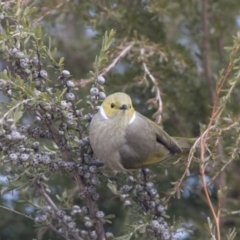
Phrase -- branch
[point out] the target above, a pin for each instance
(216, 111)
(157, 89)
(114, 62)
(92, 206)
(42, 192)
(49, 12)
(29, 217)
(12, 210)
(215, 216)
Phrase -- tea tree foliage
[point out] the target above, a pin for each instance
(179, 61)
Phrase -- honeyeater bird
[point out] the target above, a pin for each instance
(123, 139)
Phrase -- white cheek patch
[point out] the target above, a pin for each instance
(133, 118)
(103, 113)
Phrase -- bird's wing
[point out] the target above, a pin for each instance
(146, 144)
(162, 137)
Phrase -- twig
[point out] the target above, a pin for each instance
(12, 210)
(215, 216)
(186, 171)
(216, 111)
(93, 208)
(233, 155)
(114, 62)
(157, 89)
(29, 217)
(42, 192)
(49, 12)
(13, 108)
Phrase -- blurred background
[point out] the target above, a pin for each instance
(182, 45)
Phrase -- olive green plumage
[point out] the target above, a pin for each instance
(124, 139)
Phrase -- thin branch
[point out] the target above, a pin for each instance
(13, 108)
(19, 213)
(120, 55)
(215, 216)
(157, 89)
(216, 111)
(50, 11)
(42, 192)
(93, 208)
(177, 186)
(29, 217)
(233, 155)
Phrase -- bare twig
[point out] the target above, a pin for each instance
(216, 216)
(42, 192)
(156, 87)
(19, 213)
(177, 186)
(50, 11)
(120, 55)
(233, 155)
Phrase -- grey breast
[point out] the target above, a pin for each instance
(106, 139)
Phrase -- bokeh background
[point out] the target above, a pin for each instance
(183, 44)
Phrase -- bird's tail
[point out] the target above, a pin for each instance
(185, 143)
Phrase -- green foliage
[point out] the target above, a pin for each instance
(177, 71)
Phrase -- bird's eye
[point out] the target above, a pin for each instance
(112, 105)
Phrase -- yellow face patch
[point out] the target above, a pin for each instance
(117, 102)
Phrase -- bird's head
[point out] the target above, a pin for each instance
(118, 105)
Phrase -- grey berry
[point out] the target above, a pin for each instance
(95, 196)
(149, 185)
(88, 224)
(70, 84)
(100, 214)
(24, 157)
(127, 203)
(35, 61)
(70, 96)
(155, 224)
(84, 233)
(94, 91)
(93, 235)
(102, 95)
(24, 63)
(65, 73)
(153, 192)
(19, 55)
(100, 79)
(14, 50)
(109, 235)
(13, 156)
(43, 74)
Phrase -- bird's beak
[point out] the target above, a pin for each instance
(124, 107)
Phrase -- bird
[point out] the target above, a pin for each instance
(124, 139)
